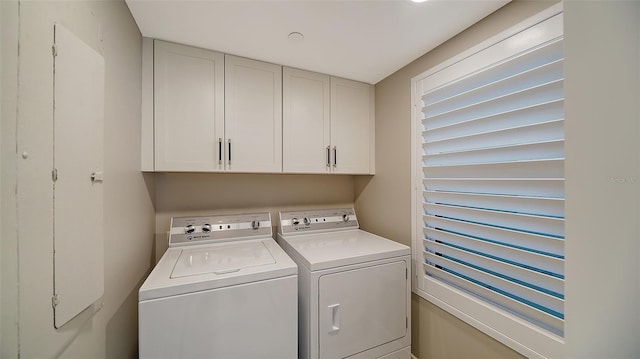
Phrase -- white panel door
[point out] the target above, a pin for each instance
(189, 108)
(351, 126)
(78, 161)
(305, 122)
(253, 115)
(362, 308)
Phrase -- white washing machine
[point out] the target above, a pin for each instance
(354, 287)
(224, 289)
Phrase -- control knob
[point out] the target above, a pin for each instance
(190, 228)
(345, 217)
(255, 224)
(295, 221)
(306, 221)
(206, 227)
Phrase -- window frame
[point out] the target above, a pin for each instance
(501, 325)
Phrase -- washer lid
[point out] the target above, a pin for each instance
(183, 270)
(319, 251)
(222, 260)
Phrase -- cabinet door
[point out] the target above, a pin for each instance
(305, 121)
(189, 108)
(351, 126)
(253, 115)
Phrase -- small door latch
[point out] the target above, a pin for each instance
(97, 177)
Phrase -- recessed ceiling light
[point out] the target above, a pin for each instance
(418, 1)
(296, 36)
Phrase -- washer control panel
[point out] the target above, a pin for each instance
(317, 220)
(219, 228)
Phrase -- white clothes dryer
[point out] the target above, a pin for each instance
(224, 289)
(354, 287)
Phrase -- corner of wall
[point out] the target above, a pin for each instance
(109, 329)
(8, 220)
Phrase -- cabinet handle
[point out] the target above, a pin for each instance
(328, 156)
(229, 151)
(219, 150)
(335, 156)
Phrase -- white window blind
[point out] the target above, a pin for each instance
(490, 203)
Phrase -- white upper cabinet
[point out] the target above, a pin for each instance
(210, 112)
(305, 117)
(327, 124)
(188, 108)
(352, 127)
(253, 115)
(204, 111)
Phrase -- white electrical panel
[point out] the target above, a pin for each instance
(77, 175)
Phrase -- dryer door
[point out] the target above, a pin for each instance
(362, 308)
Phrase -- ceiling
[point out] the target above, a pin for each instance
(360, 40)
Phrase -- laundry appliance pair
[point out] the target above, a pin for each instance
(326, 289)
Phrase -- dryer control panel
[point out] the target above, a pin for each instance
(219, 228)
(318, 220)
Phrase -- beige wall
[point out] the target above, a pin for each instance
(186, 194)
(383, 202)
(602, 127)
(27, 325)
(8, 234)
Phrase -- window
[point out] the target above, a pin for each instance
(489, 186)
